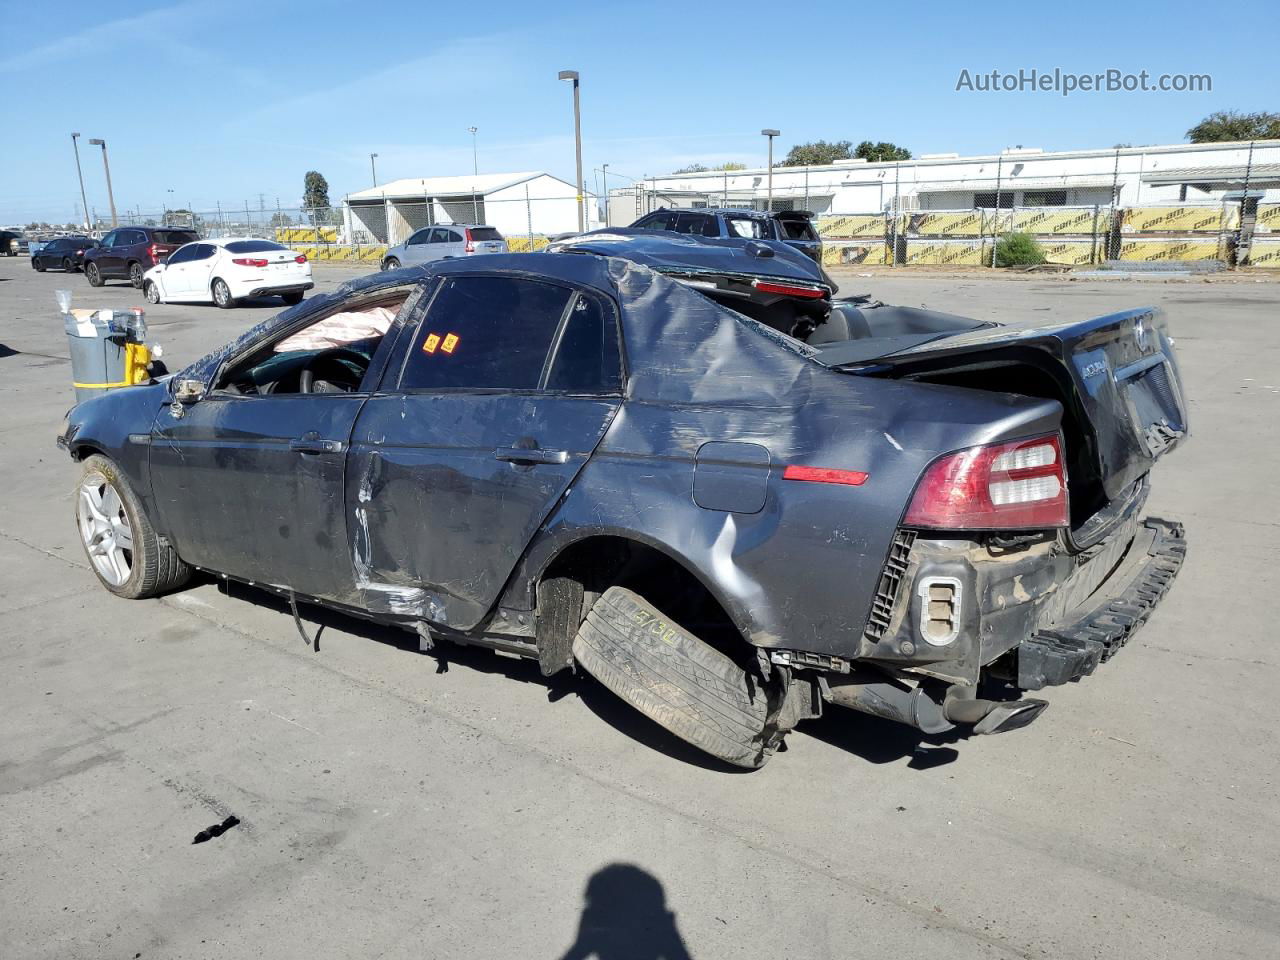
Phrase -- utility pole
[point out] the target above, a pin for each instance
(770, 133)
(84, 202)
(373, 167)
(475, 172)
(577, 140)
(604, 183)
(115, 221)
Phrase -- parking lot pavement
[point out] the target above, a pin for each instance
(388, 809)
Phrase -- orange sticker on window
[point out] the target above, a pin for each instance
(429, 345)
(450, 341)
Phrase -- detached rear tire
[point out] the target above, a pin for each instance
(675, 679)
(125, 553)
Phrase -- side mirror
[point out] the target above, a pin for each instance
(188, 391)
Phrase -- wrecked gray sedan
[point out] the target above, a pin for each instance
(578, 459)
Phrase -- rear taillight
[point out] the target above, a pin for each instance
(1000, 486)
(788, 289)
(300, 258)
(249, 262)
(470, 247)
(154, 253)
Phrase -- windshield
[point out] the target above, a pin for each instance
(175, 237)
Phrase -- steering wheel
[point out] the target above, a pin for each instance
(336, 363)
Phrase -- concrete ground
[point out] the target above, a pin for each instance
(390, 810)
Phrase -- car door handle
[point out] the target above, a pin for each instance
(310, 444)
(524, 455)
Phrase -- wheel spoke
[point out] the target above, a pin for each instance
(91, 500)
(111, 504)
(122, 535)
(119, 567)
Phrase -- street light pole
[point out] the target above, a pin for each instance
(115, 221)
(577, 141)
(84, 202)
(475, 172)
(604, 184)
(770, 133)
(373, 167)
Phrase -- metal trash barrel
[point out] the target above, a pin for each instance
(106, 350)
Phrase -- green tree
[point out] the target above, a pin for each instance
(1232, 125)
(281, 219)
(703, 168)
(315, 195)
(730, 165)
(881, 152)
(691, 168)
(817, 153)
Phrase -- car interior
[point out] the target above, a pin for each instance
(330, 355)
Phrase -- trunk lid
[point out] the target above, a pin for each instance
(1117, 375)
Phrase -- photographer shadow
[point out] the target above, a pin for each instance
(625, 917)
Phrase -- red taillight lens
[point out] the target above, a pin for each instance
(811, 293)
(154, 253)
(1001, 486)
(249, 262)
(470, 247)
(300, 258)
(853, 478)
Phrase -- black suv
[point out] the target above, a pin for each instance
(794, 227)
(63, 253)
(126, 253)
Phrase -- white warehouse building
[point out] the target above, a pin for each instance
(530, 203)
(1178, 174)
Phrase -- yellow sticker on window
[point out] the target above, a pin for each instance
(450, 341)
(429, 345)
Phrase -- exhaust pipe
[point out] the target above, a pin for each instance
(891, 700)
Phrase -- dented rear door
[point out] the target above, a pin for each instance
(499, 398)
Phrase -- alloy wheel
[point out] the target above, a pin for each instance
(105, 529)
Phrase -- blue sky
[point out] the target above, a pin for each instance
(221, 100)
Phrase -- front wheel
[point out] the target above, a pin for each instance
(135, 275)
(151, 292)
(391, 263)
(93, 274)
(39, 265)
(222, 294)
(292, 299)
(68, 266)
(122, 547)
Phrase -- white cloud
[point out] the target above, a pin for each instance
(106, 38)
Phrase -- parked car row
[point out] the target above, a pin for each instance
(444, 243)
(227, 270)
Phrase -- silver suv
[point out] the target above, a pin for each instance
(444, 242)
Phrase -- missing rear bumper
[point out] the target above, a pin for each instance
(1066, 652)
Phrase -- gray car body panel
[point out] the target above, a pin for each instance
(794, 563)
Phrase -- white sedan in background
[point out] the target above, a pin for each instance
(227, 270)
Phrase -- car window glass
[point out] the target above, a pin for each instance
(690, 222)
(253, 246)
(659, 221)
(173, 236)
(485, 333)
(109, 240)
(587, 359)
(452, 236)
(797, 230)
(485, 233)
(419, 237)
(203, 251)
(748, 227)
(129, 237)
(183, 254)
(437, 235)
(55, 246)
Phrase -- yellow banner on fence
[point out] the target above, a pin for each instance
(1268, 218)
(946, 253)
(1078, 253)
(306, 235)
(1178, 219)
(963, 223)
(1051, 221)
(839, 253)
(344, 253)
(852, 226)
(1265, 253)
(1200, 248)
(526, 243)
